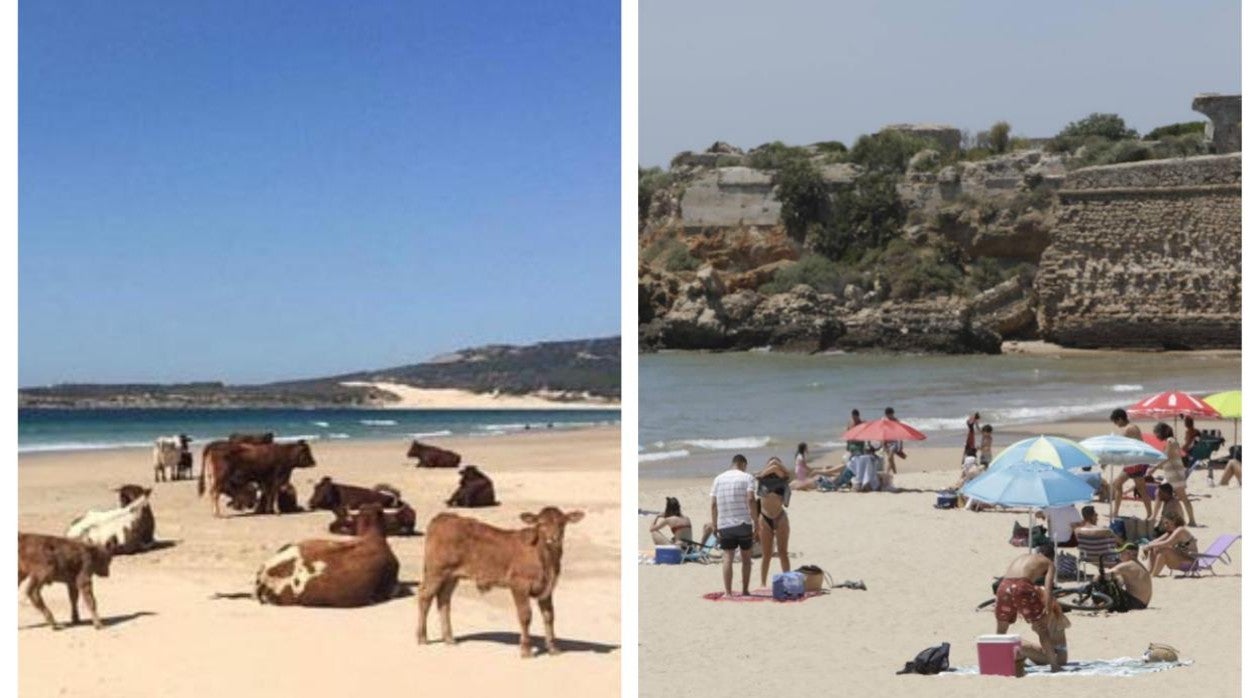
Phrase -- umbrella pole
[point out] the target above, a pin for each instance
(1031, 523)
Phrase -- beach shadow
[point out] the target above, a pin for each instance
(405, 589)
(107, 622)
(161, 545)
(232, 596)
(539, 644)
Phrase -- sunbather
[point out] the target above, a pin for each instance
(806, 477)
(1233, 470)
(1175, 549)
(1133, 577)
(971, 469)
(680, 526)
(773, 521)
(1167, 505)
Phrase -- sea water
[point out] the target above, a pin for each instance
(697, 409)
(82, 429)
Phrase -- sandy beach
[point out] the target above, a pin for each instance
(925, 570)
(450, 399)
(180, 621)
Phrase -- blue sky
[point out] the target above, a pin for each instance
(750, 73)
(258, 191)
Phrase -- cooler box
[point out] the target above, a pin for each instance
(997, 654)
(946, 500)
(667, 555)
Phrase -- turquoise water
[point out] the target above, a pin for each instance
(696, 409)
(62, 430)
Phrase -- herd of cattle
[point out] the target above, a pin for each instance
(253, 472)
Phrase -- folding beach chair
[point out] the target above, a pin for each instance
(704, 554)
(1096, 549)
(1218, 551)
(1200, 453)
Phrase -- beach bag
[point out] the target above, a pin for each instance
(814, 577)
(1067, 567)
(946, 499)
(787, 586)
(1119, 526)
(932, 660)
(1158, 652)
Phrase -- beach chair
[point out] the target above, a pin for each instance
(1096, 547)
(1200, 453)
(1218, 551)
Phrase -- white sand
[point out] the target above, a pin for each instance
(448, 399)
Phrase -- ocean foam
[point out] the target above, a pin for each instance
(297, 437)
(740, 442)
(428, 434)
(378, 422)
(80, 446)
(1126, 388)
(339, 436)
(661, 455)
(320, 424)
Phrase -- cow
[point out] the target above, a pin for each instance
(47, 559)
(126, 530)
(432, 456)
(330, 495)
(396, 522)
(245, 496)
(527, 561)
(475, 489)
(253, 439)
(228, 466)
(335, 573)
(172, 453)
(186, 465)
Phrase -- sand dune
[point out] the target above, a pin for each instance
(448, 399)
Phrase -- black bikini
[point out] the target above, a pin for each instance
(773, 484)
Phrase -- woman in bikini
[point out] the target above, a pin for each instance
(680, 526)
(773, 521)
(1173, 469)
(1175, 549)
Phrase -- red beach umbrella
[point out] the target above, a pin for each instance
(1172, 403)
(884, 430)
(1154, 441)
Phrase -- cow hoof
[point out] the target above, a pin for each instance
(525, 652)
(553, 649)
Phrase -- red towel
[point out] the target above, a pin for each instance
(721, 596)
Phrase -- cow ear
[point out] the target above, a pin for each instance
(574, 516)
(528, 518)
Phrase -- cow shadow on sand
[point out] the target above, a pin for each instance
(539, 645)
(106, 621)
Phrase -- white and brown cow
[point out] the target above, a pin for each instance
(128, 529)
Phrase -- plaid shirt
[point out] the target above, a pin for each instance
(731, 491)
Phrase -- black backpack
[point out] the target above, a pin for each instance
(932, 660)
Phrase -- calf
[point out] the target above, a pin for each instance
(396, 522)
(432, 456)
(47, 559)
(330, 495)
(527, 561)
(342, 574)
(128, 529)
(475, 489)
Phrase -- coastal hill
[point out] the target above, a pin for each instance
(554, 373)
(922, 237)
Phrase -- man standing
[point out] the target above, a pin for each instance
(734, 515)
(1135, 473)
(892, 448)
(1018, 593)
(854, 447)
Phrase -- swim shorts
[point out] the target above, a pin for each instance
(740, 536)
(1134, 604)
(1016, 596)
(1135, 470)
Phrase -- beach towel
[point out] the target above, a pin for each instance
(721, 596)
(1123, 666)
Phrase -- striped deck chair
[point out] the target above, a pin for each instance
(1217, 552)
(1096, 546)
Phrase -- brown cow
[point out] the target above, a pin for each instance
(47, 559)
(341, 574)
(330, 495)
(432, 456)
(254, 439)
(527, 561)
(230, 465)
(396, 522)
(475, 489)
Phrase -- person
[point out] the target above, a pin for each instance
(985, 444)
(1018, 593)
(1062, 522)
(892, 448)
(1134, 473)
(680, 526)
(972, 422)
(733, 513)
(1133, 577)
(1190, 436)
(854, 447)
(1167, 504)
(1175, 549)
(1173, 469)
(1233, 470)
(1088, 518)
(773, 521)
(806, 477)
(971, 469)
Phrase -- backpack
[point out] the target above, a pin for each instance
(787, 586)
(932, 660)
(1067, 567)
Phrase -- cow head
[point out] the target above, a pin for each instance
(416, 449)
(370, 520)
(129, 493)
(549, 524)
(303, 455)
(99, 559)
(468, 473)
(324, 495)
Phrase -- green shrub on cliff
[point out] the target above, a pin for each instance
(910, 272)
(1092, 129)
(671, 253)
(999, 137)
(864, 217)
(814, 270)
(649, 181)
(1185, 128)
(774, 156)
(887, 151)
(803, 196)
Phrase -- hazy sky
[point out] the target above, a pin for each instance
(800, 72)
(253, 191)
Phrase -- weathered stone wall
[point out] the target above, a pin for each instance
(1145, 255)
(728, 197)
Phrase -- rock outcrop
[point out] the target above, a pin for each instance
(1223, 130)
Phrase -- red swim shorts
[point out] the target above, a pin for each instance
(1016, 596)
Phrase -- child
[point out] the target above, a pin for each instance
(985, 444)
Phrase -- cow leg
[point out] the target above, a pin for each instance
(32, 593)
(424, 598)
(88, 595)
(73, 604)
(547, 606)
(525, 613)
(444, 609)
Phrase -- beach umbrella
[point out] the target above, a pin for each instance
(1115, 449)
(1053, 451)
(1229, 405)
(1029, 484)
(1171, 403)
(884, 430)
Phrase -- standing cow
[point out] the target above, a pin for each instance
(227, 467)
(47, 559)
(527, 561)
(432, 456)
(170, 453)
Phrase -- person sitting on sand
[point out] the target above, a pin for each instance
(806, 477)
(773, 521)
(1175, 549)
(1018, 593)
(1133, 577)
(1134, 473)
(971, 469)
(985, 444)
(1167, 505)
(1233, 470)
(681, 527)
(1173, 469)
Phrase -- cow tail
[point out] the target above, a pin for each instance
(205, 463)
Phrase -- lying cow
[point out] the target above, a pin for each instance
(330, 495)
(246, 497)
(128, 529)
(227, 466)
(527, 561)
(336, 573)
(168, 455)
(396, 522)
(48, 559)
(432, 456)
(475, 489)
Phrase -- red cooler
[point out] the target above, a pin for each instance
(997, 654)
